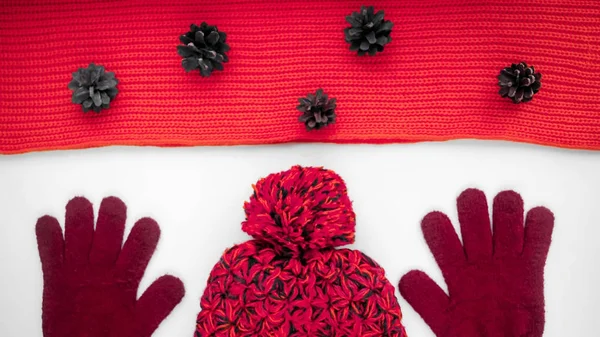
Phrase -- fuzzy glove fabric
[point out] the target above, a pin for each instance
(495, 280)
(90, 283)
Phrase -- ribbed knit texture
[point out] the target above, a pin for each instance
(435, 81)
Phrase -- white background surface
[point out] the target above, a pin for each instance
(196, 195)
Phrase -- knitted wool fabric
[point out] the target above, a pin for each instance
(91, 282)
(290, 280)
(436, 80)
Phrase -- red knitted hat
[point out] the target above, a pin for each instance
(290, 280)
(436, 80)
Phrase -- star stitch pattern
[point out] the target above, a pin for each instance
(290, 280)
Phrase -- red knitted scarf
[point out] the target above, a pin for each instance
(435, 81)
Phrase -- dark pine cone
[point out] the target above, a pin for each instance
(368, 32)
(519, 82)
(93, 88)
(204, 49)
(317, 110)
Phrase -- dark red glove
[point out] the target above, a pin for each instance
(90, 283)
(495, 282)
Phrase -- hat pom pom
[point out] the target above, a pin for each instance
(301, 209)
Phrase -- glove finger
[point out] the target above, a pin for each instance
(50, 243)
(427, 298)
(475, 224)
(157, 302)
(79, 230)
(508, 224)
(138, 248)
(109, 232)
(538, 234)
(442, 240)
